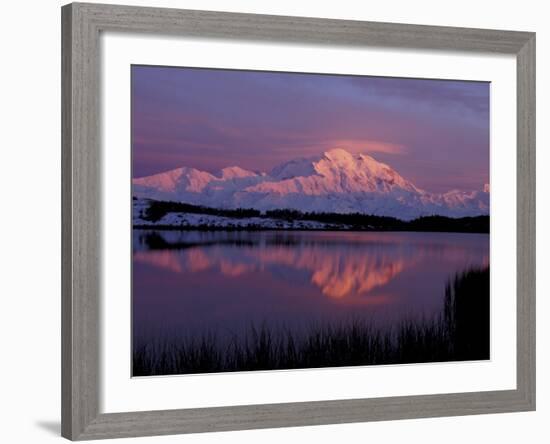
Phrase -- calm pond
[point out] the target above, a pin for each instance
(192, 283)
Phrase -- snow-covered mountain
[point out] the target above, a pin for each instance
(337, 181)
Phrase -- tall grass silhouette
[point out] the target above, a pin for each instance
(460, 332)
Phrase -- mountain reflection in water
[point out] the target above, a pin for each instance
(341, 271)
(192, 281)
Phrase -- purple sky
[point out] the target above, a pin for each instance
(433, 132)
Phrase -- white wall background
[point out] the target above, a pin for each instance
(30, 221)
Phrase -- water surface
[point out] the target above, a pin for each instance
(188, 283)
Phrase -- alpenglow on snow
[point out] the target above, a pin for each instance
(336, 182)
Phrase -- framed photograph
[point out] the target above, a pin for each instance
(278, 221)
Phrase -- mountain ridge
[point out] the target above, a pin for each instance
(335, 181)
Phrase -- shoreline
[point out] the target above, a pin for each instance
(351, 230)
(161, 215)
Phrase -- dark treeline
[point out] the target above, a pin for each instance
(355, 221)
(460, 332)
(157, 209)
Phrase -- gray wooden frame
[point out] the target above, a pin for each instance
(81, 26)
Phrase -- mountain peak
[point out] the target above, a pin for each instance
(234, 172)
(169, 181)
(338, 154)
(359, 161)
